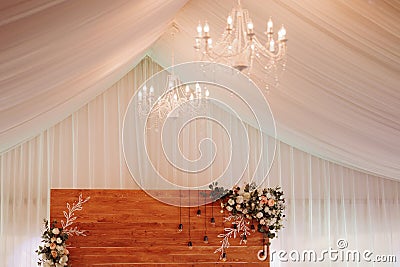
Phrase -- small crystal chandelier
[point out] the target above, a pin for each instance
(178, 98)
(239, 47)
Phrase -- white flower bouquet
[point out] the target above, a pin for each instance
(54, 251)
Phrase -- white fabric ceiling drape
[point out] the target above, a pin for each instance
(326, 201)
(55, 56)
(339, 97)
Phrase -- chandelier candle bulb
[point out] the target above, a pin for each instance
(199, 30)
(282, 34)
(270, 26)
(206, 29)
(229, 20)
(250, 27)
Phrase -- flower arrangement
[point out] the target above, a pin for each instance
(54, 252)
(246, 206)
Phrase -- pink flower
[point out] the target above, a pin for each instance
(53, 245)
(264, 200)
(271, 202)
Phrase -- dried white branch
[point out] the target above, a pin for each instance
(70, 216)
(241, 230)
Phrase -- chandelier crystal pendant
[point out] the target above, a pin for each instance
(240, 48)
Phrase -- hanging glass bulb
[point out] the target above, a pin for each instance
(244, 239)
(205, 239)
(212, 221)
(223, 257)
(190, 245)
(180, 228)
(198, 213)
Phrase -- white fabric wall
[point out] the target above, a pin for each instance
(325, 201)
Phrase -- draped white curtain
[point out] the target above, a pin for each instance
(55, 56)
(326, 201)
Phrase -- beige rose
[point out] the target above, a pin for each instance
(53, 239)
(56, 231)
(53, 245)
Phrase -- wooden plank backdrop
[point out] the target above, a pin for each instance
(130, 228)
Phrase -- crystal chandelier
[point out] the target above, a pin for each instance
(240, 48)
(176, 100)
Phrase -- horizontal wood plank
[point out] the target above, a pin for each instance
(131, 228)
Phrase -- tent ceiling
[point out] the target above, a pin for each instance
(339, 98)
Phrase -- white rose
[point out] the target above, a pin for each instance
(63, 259)
(56, 231)
(259, 215)
(244, 211)
(262, 221)
(59, 241)
(246, 195)
(47, 244)
(229, 208)
(266, 209)
(239, 199)
(269, 195)
(60, 248)
(231, 201)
